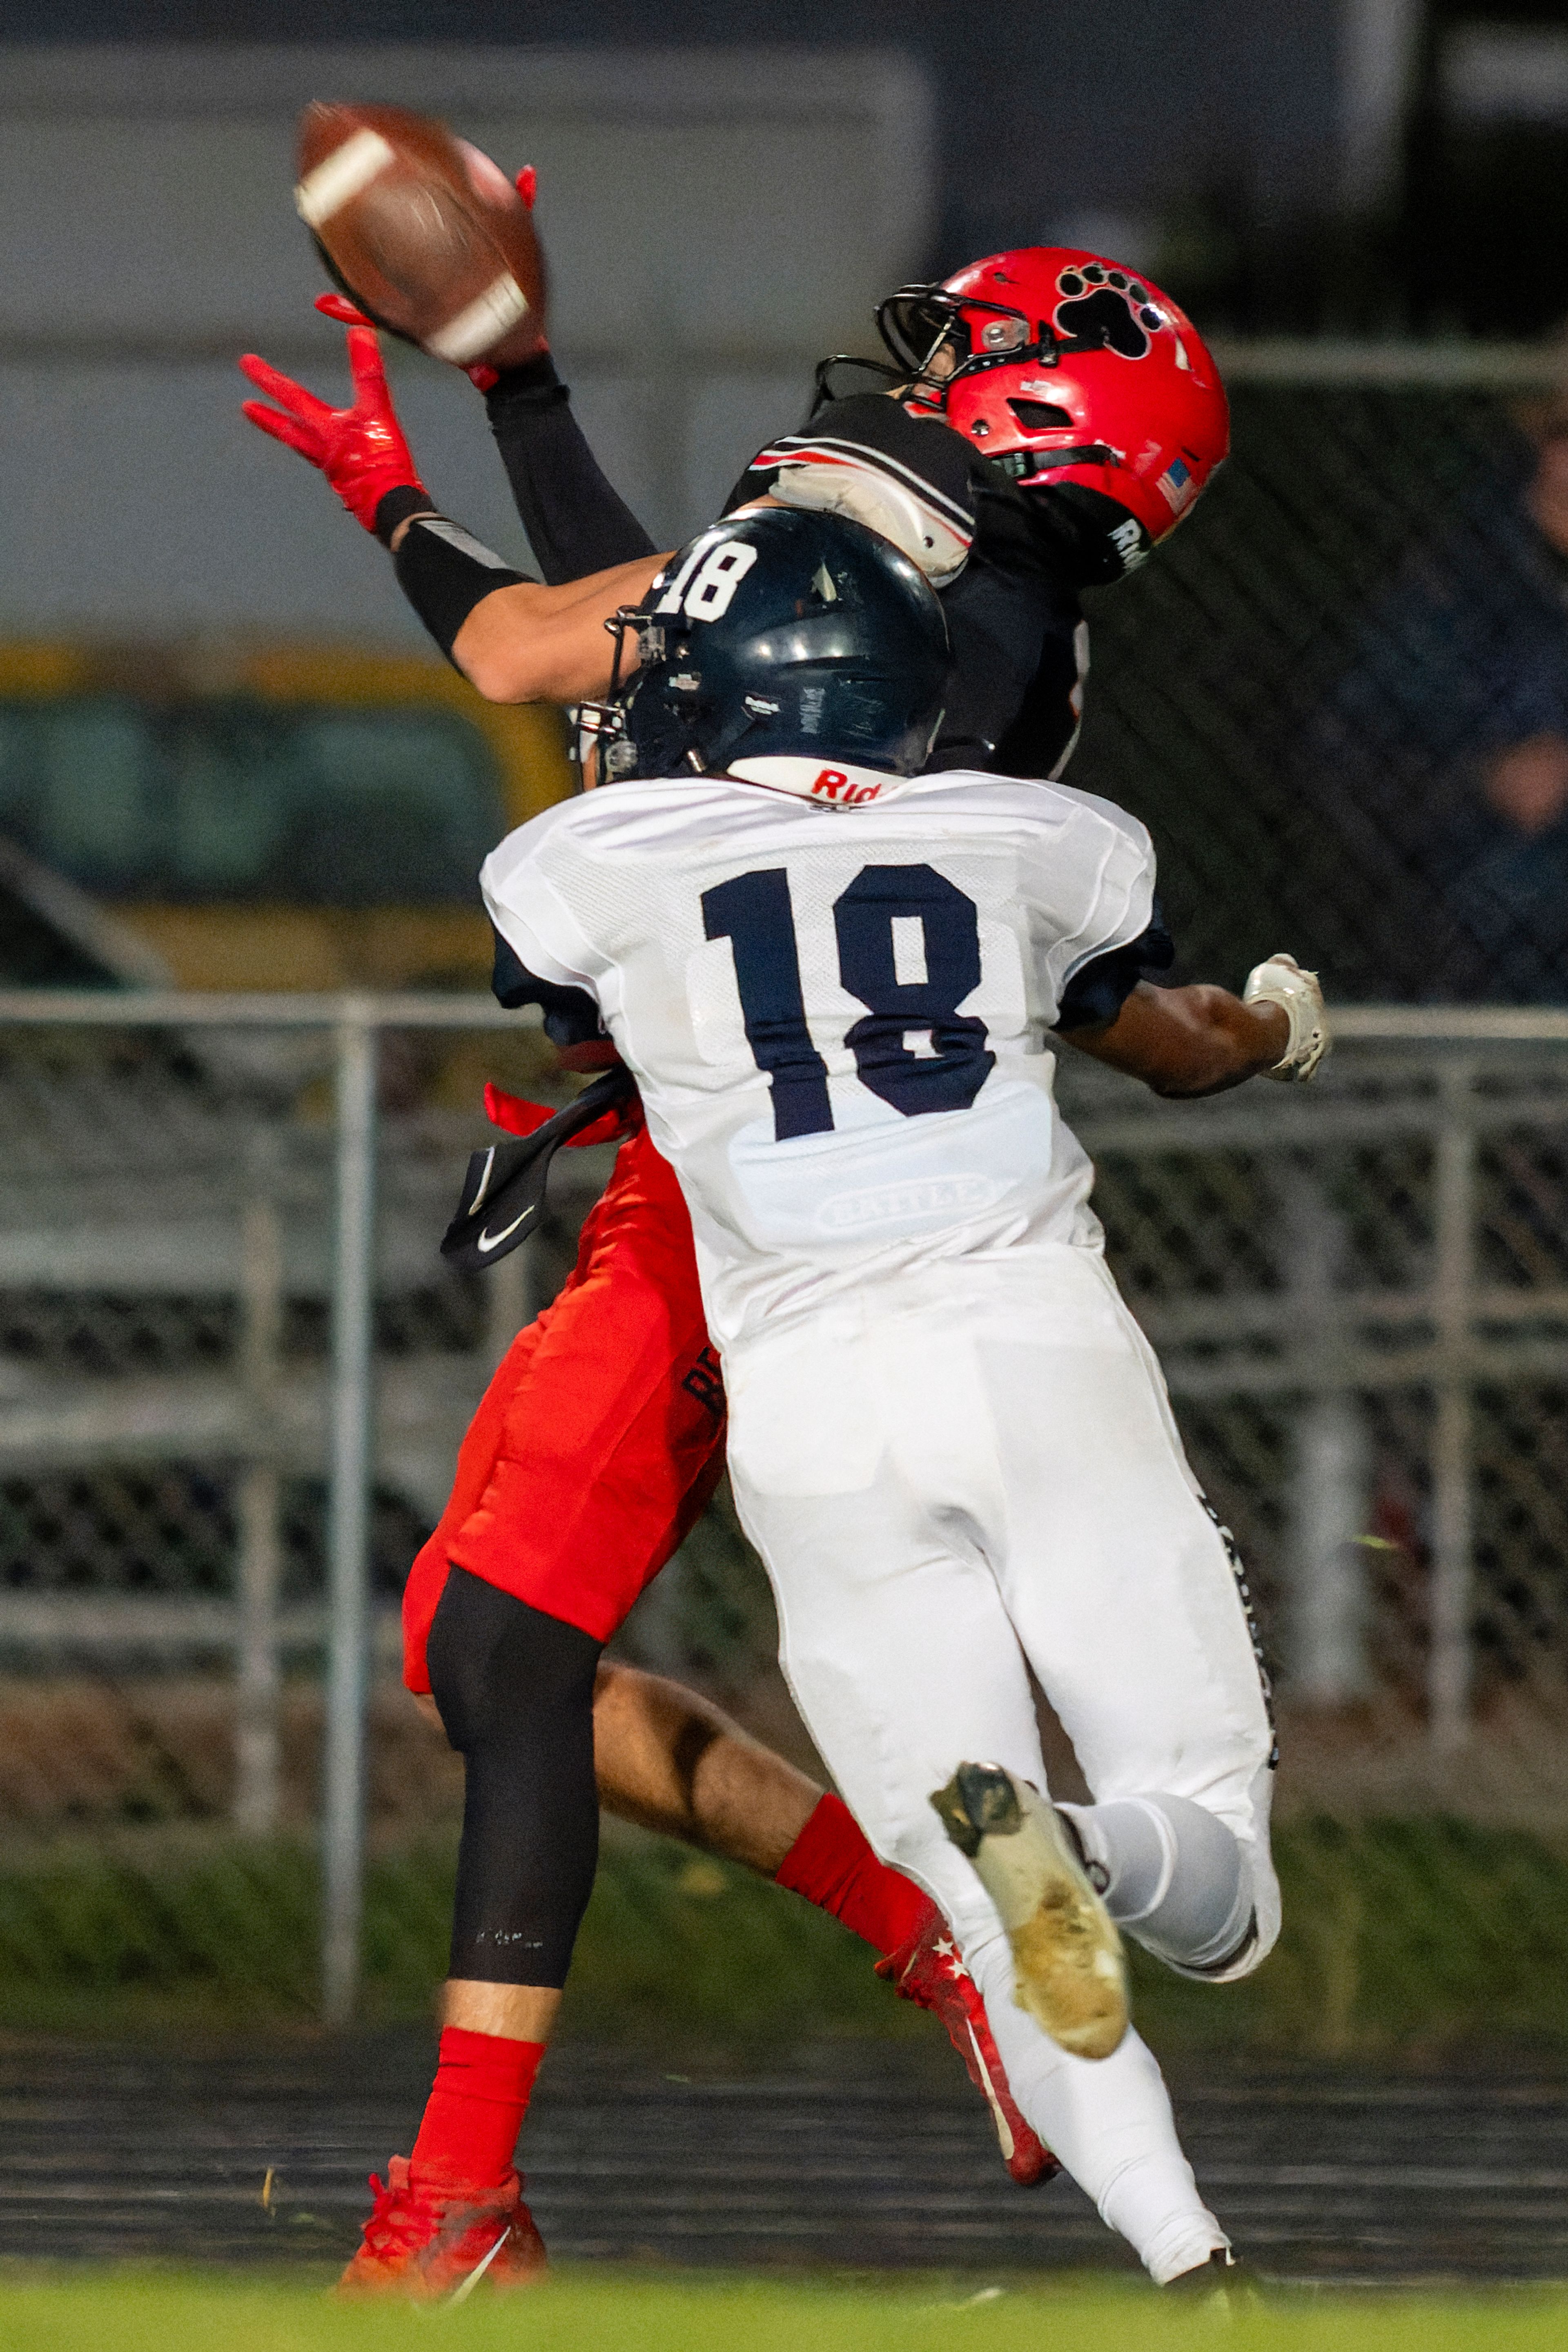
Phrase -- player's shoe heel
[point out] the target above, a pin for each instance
(1071, 1976)
(1222, 2288)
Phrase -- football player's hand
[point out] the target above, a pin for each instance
(346, 311)
(360, 449)
(528, 182)
(338, 306)
(1299, 994)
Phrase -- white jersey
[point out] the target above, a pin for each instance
(835, 989)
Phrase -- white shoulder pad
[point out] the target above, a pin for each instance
(864, 488)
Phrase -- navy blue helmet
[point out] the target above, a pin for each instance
(780, 630)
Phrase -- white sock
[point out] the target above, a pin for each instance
(1109, 2121)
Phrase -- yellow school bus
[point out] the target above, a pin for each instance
(273, 816)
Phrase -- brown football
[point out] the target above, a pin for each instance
(424, 231)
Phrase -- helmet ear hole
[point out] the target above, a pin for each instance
(1040, 415)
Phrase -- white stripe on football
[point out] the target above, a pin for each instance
(482, 325)
(345, 174)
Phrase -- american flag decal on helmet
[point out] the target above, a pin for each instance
(1177, 486)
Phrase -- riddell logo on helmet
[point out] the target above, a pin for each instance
(833, 784)
(1128, 541)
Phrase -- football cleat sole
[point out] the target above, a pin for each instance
(1067, 1956)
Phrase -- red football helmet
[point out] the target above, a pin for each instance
(1066, 368)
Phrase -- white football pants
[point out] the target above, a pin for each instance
(964, 1474)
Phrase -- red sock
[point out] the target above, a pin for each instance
(474, 2110)
(833, 1866)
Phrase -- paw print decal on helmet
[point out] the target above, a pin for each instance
(1104, 309)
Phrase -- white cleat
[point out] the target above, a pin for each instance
(1071, 1976)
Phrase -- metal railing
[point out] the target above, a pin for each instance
(1300, 1254)
(354, 1023)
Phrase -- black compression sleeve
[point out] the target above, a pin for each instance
(445, 572)
(397, 506)
(576, 523)
(515, 1690)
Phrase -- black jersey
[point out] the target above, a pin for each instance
(1020, 640)
(1017, 631)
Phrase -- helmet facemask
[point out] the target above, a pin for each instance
(603, 728)
(926, 326)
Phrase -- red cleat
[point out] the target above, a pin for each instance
(928, 1972)
(440, 2239)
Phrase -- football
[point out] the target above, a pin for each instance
(423, 231)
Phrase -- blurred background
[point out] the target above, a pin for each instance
(228, 763)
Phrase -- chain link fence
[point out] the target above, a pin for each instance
(218, 1226)
(1339, 695)
(1360, 1296)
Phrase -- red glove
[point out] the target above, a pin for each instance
(361, 450)
(346, 312)
(339, 307)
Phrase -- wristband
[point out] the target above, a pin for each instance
(397, 506)
(445, 572)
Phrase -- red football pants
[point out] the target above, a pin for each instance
(598, 1442)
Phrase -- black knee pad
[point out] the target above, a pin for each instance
(515, 1689)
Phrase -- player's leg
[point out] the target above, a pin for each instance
(515, 1692)
(594, 1451)
(594, 1448)
(903, 1661)
(505, 1642)
(673, 1761)
(1135, 1618)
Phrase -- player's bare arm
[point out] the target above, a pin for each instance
(514, 638)
(1202, 1040)
(528, 643)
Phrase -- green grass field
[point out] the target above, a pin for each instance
(609, 2311)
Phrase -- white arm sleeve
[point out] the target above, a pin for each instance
(1093, 891)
